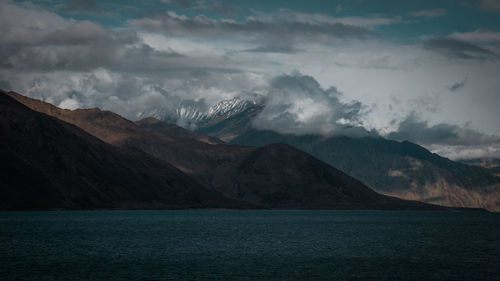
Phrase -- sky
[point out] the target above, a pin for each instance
(424, 71)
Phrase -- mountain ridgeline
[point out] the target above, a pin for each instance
(402, 169)
(51, 164)
(88, 158)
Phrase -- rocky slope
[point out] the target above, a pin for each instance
(173, 130)
(50, 164)
(274, 176)
(492, 164)
(401, 169)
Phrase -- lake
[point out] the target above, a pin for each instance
(249, 245)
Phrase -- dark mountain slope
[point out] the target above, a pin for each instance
(173, 130)
(400, 169)
(274, 176)
(492, 164)
(268, 176)
(197, 159)
(47, 163)
(232, 126)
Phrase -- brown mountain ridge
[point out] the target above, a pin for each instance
(50, 164)
(273, 176)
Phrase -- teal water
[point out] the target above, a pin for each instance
(249, 245)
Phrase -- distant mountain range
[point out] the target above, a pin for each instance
(401, 169)
(88, 158)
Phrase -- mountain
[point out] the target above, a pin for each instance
(173, 130)
(273, 176)
(492, 164)
(232, 126)
(195, 116)
(401, 169)
(50, 164)
(227, 108)
(281, 176)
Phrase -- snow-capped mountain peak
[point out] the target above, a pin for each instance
(189, 114)
(226, 108)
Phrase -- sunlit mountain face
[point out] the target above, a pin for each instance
(423, 71)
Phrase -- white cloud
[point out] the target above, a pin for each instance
(478, 36)
(296, 104)
(70, 103)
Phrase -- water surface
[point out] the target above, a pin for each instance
(249, 245)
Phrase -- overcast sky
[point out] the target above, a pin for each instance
(426, 71)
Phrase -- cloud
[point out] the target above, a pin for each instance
(296, 104)
(457, 48)
(427, 104)
(39, 40)
(289, 15)
(434, 13)
(418, 131)
(458, 85)
(462, 152)
(252, 29)
(70, 103)
(478, 36)
(125, 94)
(131, 94)
(490, 5)
(189, 58)
(284, 49)
(19, 24)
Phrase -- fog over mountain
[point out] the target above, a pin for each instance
(417, 72)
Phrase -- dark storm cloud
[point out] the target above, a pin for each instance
(86, 64)
(75, 33)
(34, 40)
(458, 48)
(251, 29)
(79, 45)
(418, 131)
(297, 104)
(139, 58)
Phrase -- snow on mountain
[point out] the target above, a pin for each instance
(227, 108)
(191, 114)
